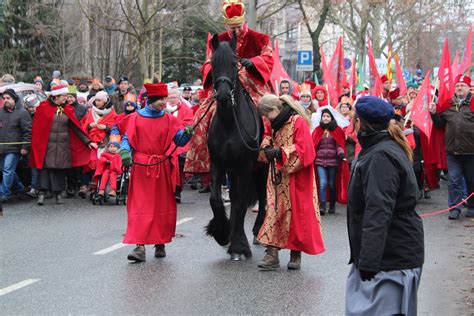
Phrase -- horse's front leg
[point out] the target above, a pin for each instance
(219, 226)
(261, 176)
(239, 248)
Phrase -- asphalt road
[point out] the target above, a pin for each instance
(67, 259)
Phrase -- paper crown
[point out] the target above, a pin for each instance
(234, 12)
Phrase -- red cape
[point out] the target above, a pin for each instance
(251, 48)
(42, 123)
(95, 134)
(342, 176)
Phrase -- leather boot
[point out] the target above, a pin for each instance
(295, 260)
(270, 261)
(40, 201)
(177, 194)
(160, 251)
(332, 205)
(137, 254)
(322, 208)
(83, 191)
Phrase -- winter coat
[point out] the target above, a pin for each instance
(58, 151)
(15, 126)
(328, 152)
(385, 232)
(118, 99)
(459, 122)
(79, 109)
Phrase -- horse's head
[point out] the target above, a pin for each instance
(224, 67)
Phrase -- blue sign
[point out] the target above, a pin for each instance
(305, 57)
(347, 63)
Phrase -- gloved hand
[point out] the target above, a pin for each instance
(246, 63)
(189, 130)
(272, 153)
(126, 158)
(366, 275)
(342, 156)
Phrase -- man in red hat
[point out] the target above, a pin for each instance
(398, 103)
(457, 117)
(387, 85)
(152, 134)
(255, 56)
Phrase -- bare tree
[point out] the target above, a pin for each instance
(315, 32)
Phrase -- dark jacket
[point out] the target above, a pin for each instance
(15, 126)
(328, 152)
(79, 109)
(459, 122)
(58, 151)
(118, 99)
(385, 232)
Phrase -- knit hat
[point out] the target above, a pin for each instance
(463, 79)
(374, 110)
(59, 90)
(394, 94)
(11, 93)
(101, 95)
(72, 90)
(116, 144)
(56, 74)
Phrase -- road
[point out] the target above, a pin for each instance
(67, 259)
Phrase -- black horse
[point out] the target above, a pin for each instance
(234, 137)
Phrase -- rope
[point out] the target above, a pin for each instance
(448, 209)
(16, 143)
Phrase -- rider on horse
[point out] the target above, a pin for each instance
(255, 55)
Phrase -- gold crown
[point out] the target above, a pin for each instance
(234, 12)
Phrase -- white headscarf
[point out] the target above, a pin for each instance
(340, 119)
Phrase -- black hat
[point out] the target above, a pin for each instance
(374, 110)
(11, 93)
(123, 78)
(187, 88)
(108, 79)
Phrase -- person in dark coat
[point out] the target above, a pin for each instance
(15, 126)
(385, 232)
(58, 143)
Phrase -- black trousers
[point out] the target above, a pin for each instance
(52, 180)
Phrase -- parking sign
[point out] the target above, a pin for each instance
(305, 60)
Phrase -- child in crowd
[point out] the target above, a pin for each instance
(109, 166)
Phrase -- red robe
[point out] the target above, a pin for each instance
(342, 176)
(42, 123)
(296, 194)
(151, 203)
(95, 134)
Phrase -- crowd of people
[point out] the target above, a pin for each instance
(365, 151)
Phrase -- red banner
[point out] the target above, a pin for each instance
(455, 65)
(278, 72)
(375, 82)
(400, 80)
(333, 96)
(445, 74)
(336, 67)
(420, 114)
(466, 62)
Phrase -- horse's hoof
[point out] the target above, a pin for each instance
(237, 257)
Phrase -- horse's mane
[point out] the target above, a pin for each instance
(223, 55)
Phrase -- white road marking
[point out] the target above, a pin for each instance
(17, 286)
(121, 245)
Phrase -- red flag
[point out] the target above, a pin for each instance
(336, 66)
(278, 72)
(466, 62)
(332, 94)
(420, 114)
(208, 48)
(455, 65)
(375, 82)
(353, 80)
(445, 74)
(400, 80)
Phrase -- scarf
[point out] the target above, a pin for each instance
(283, 117)
(97, 114)
(329, 126)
